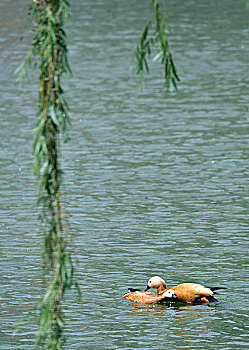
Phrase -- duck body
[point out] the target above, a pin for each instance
(192, 292)
(184, 292)
(144, 297)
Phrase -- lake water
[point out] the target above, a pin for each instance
(155, 183)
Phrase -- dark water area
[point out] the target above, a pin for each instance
(155, 183)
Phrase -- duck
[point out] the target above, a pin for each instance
(184, 292)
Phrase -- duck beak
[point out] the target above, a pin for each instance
(147, 288)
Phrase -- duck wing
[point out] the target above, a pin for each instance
(189, 292)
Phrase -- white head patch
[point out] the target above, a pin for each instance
(169, 294)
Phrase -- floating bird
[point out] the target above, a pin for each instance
(185, 292)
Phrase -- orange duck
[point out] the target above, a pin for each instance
(185, 292)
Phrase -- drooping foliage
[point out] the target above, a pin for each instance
(154, 39)
(49, 55)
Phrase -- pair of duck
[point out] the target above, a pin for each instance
(184, 292)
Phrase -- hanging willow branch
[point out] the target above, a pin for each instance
(50, 53)
(156, 38)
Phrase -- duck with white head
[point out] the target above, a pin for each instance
(184, 292)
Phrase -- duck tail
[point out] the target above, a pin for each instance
(213, 289)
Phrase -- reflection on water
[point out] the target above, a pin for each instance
(190, 322)
(183, 313)
(193, 321)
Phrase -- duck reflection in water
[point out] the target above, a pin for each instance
(183, 312)
(186, 324)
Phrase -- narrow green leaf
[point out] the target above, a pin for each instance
(53, 115)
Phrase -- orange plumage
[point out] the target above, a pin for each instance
(185, 292)
(144, 297)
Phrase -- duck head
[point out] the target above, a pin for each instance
(158, 283)
(170, 294)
